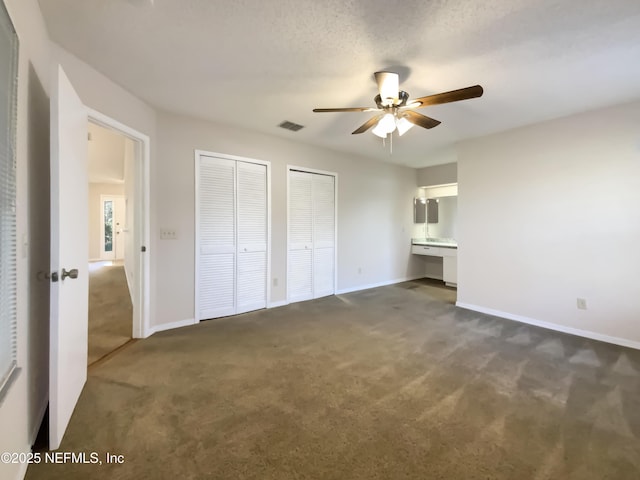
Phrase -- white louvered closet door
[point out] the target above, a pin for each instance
(323, 235)
(217, 238)
(252, 237)
(300, 261)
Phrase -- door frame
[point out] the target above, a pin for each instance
(197, 154)
(103, 255)
(335, 219)
(142, 227)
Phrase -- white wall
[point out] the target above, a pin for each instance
(549, 213)
(374, 209)
(438, 174)
(95, 213)
(22, 408)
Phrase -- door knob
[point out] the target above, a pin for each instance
(73, 273)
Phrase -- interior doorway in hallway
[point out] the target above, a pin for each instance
(118, 193)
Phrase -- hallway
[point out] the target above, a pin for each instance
(110, 310)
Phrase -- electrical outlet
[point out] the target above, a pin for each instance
(275, 282)
(582, 303)
(359, 270)
(168, 234)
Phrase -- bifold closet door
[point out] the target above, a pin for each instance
(300, 263)
(311, 256)
(324, 229)
(217, 242)
(233, 237)
(252, 237)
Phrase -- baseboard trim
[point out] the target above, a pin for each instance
(280, 303)
(170, 326)
(623, 342)
(376, 285)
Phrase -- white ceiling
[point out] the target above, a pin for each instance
(255, 63)
(106, 150)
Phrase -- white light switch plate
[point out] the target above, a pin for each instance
(168, 234)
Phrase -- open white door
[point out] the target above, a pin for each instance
(69, 253)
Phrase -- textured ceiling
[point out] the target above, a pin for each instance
(254, 63)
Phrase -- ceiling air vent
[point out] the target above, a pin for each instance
(294, 127)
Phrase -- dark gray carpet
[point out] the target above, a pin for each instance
(110, 311)
(390, 383)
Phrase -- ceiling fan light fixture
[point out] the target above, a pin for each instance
(379, 131)
(394, 110)
(403, 125)
(389, 87)
(387, 123)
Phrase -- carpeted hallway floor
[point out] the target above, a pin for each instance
(110, 310)
(389, 383)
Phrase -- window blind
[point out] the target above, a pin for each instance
(8, 93)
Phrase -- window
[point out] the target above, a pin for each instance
(107, 208)
(8, 86)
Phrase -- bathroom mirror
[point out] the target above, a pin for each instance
(432, 210)
(419, 210)
(425, 210)
(445, 227)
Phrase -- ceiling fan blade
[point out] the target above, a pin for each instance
(350, 109)
(421, 120)
(447, 97)
(367, 125)
(388, 86)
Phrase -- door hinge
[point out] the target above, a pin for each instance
(54, 276)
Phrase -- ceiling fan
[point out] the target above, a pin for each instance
(396, 111)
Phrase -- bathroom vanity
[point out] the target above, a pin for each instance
(435, 217)
(443, 263)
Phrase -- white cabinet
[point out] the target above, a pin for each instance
(312, 227)
(231, 237)
(450, 266)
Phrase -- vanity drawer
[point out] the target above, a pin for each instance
(449, 252)
(426, 250)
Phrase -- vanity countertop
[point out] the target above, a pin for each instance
(435, 242)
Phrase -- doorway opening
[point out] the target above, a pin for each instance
(118, 230)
